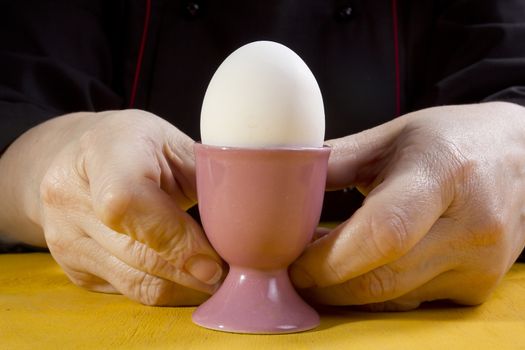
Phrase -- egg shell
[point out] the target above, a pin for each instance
(263, 95)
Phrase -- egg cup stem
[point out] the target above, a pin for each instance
(256, 301)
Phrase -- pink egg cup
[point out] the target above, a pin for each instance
(259, 208)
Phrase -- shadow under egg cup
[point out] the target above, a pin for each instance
(259, 208)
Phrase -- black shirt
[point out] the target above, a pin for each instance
(373, 59)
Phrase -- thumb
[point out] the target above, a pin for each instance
(357, 158)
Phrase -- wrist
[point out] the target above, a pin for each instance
(22, 168)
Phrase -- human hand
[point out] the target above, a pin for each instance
(443, 214)
(113, 207)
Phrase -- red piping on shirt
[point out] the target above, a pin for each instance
(143, 40)
(396, 57)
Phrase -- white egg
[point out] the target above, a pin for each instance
(263, 95)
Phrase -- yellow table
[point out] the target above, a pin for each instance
(40, 309)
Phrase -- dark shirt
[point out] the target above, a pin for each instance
(373, 59)
(81, 55)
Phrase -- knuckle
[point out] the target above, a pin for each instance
(163, 238)
(142, 256)
(453, 163)
(378, 285)
(334, 271)
(177, 243)
(112, 206)
(149, 260)
(151, 290)
(53, 188)
(390, 235)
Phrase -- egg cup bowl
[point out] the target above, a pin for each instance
(259, 208)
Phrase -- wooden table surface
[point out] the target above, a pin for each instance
(41, 309)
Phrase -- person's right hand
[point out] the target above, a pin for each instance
(112, 207)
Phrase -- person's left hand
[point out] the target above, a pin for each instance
(444, 216)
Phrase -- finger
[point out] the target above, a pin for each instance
(394, 218)
(190, 272)
(153, 219)
(59, 235)
(128, 199)
(431, 257)
(88, 265)
(451, 286)
(357, 157)
(135, 284)
(181, 160)
(143, 258)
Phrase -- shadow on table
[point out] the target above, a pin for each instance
(332, 316)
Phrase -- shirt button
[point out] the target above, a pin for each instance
(344, 13)
(193, 9)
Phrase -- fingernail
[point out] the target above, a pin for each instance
(301, 279)
(204, 269)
